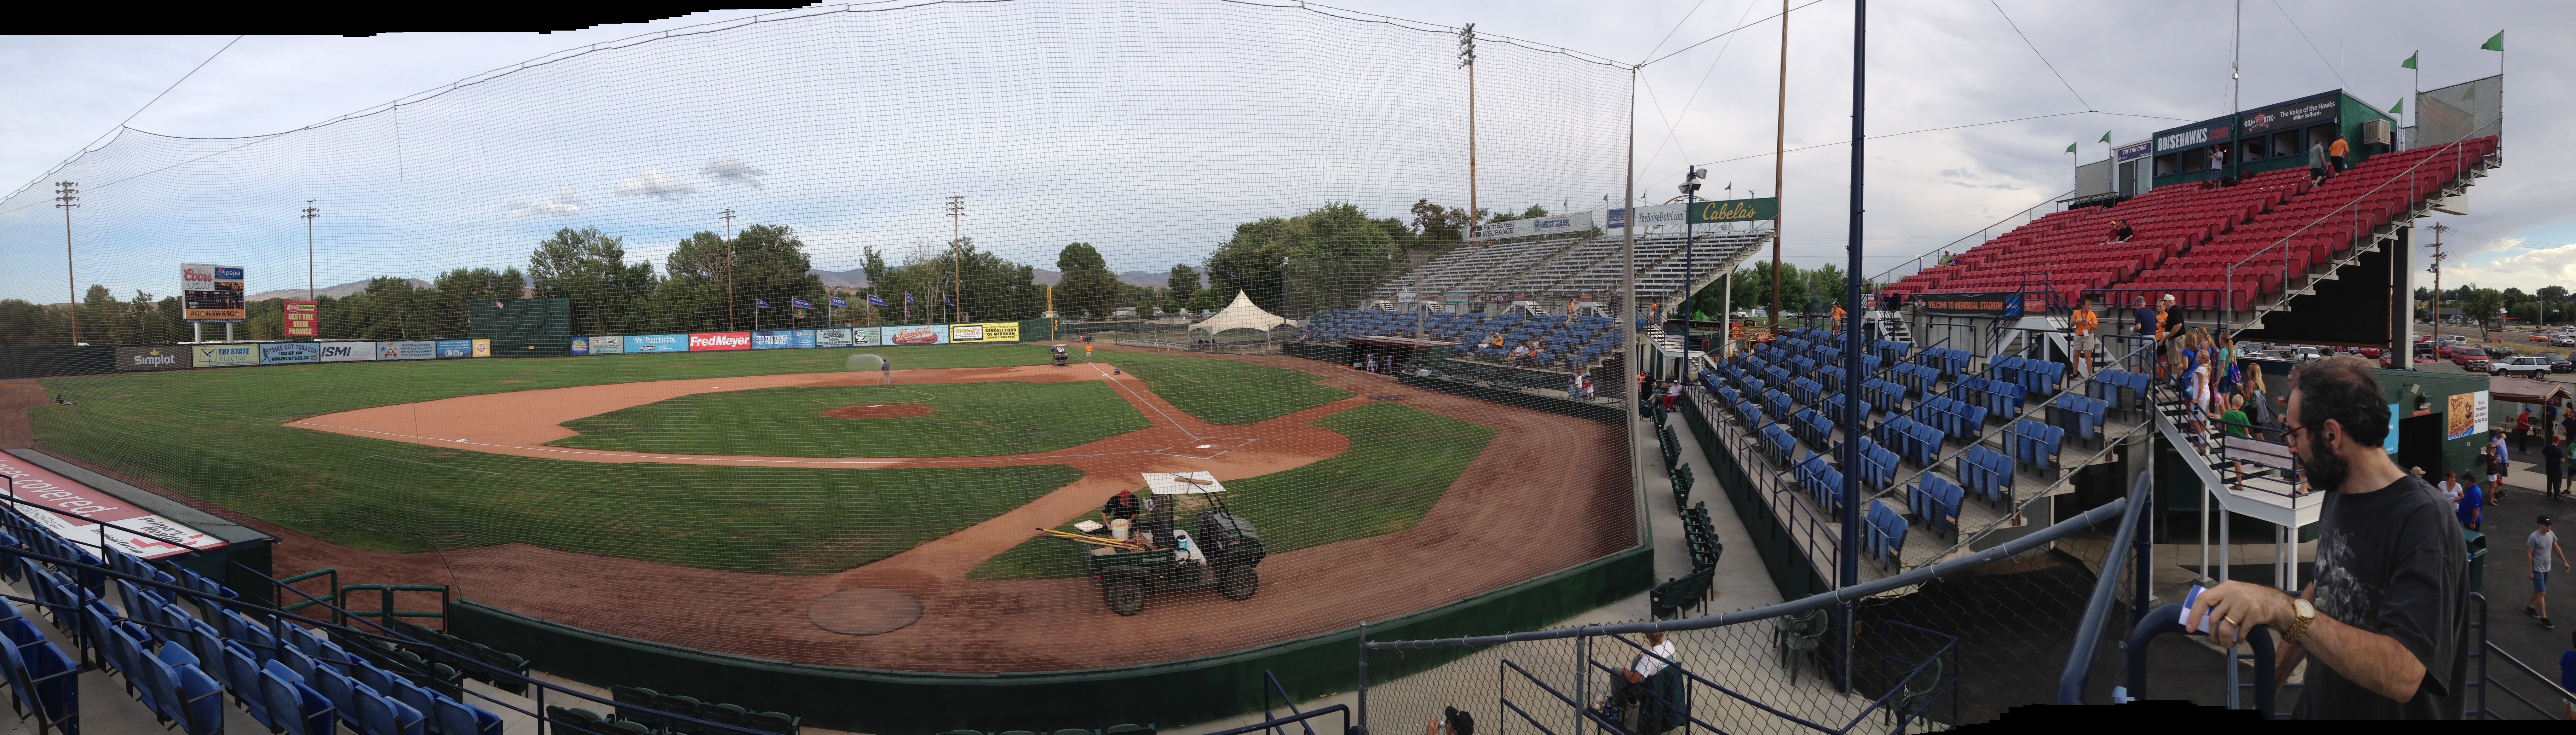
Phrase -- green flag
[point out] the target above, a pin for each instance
(2399, 108)
(2494, 44)
(2410, 60)
(2106, 136)
(2468, 92)
(2070, 148)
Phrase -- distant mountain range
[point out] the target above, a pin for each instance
(339, 291)
(857, 278)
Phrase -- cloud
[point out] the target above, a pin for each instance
(2528, 270)
(733, 170)
(562, 204)
(653, 184)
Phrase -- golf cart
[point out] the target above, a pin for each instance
(1061, 359)
(1214, 549)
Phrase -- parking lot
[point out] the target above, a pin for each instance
(2517, 339)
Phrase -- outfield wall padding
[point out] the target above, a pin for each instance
(1517, 399)
(55, 361)
(1167, 694)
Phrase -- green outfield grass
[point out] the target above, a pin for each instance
(967, 420)
(1400, 462)
(216, 435)
(1221, 391)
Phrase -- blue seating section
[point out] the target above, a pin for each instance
(1821, 482)
(1952, 418)
(1883, 393)
(1998, 397)
(1834, 408)
(1936, 502)
(1892, 350)
(1986, 472)
(1803, 390)
(1952, 363)
(2034, 377)
(1886, 530)
(1877, 465)
(1569, 344)
(2035, 444)
(2080, 416)
(2120, 389)
(1812, 427)
(1920, 380)
(1914, 441)
(1777, 443)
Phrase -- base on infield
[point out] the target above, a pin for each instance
(864, 611)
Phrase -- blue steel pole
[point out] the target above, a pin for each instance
(1852, 432)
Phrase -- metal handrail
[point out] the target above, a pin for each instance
(2079, 657)
(2228, 314)
(1882, 278)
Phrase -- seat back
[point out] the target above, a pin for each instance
(200, 699)
(285, 706)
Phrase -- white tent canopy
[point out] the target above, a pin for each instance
(1239, 315)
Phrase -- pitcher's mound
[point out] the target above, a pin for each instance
(881, 411)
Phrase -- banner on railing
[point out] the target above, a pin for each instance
(2006, 305)
(90, 508)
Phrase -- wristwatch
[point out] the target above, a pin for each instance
(2304, 614)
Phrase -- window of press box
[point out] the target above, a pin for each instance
(2322, 135)
(2255, 150)
(2196, 159)
(2168, 164)
(2285, 144)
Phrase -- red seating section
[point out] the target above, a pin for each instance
(2187, 236)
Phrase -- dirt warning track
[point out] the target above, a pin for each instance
(1555, 478)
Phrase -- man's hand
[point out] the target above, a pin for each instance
(2226, 611)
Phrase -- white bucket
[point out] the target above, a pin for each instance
(1118, 528)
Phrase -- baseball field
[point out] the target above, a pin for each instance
(556, 486)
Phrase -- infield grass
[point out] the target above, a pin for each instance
(1400, 462)
(966, 420)
(1220, 391)
(216, 435)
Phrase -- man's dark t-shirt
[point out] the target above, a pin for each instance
(2146, 321)
(2392, 562)
(2551, 458)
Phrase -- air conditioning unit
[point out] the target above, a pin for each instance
(2376, 131)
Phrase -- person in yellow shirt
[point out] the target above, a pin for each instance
(2083, 324)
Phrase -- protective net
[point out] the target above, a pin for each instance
(573, 326)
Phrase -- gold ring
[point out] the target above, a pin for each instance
(2231, 622)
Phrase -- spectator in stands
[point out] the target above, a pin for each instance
(2120, 231)
(2522, 431)
(2235, 417)
(1453, 721)
(2498, 465)
(2334, 154)
(1643, 698)
(2217, 165)
(1580, 388)
(1837, 319)
(2553, 466)
(2538, 549)
(2387, 621)
(1520, 352)
(2473, 502)
(1948, 259)
(2142, 324)
(2083, 324)
(2451, 488)
(1672, 395)
(2317, 163)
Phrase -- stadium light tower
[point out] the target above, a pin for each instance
(67, 196)
(957, 249)
(1467, 60)
(728, 218)
(309, 213)
(1690, 239)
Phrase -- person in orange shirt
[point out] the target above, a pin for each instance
(2335, 152)
(2083, 324)
(1837, 318)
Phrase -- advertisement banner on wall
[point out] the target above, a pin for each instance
(965, 333)
(286, 353)
(449, 348)
(211, 293)
(225, 355)
(921, 334)
(2467, 415)
(131, 359)
(831, 338)
(581, 345)
(770, 339)
(607, 345)
(417, 350)
(1002, 332)
(84, 509)
(482, 348)
(303, 319)
(805, 339)
(866, 337)
(719, 341)
(656, 343)
(347, 352)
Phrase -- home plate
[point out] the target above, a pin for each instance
(1207, 448)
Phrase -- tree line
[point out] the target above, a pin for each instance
(1328, 257)
(2487, 306)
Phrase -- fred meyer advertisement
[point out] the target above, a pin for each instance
(720, 341)
(82, 510)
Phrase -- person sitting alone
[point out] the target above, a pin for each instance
(1519, 352)
(2120, 231)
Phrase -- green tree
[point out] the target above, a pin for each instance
(1182, 284)
(1337, 253)
(1534, 212)
(1086, 289)
(589, 268)
(456, 288)
(1753, 288)
(1438, 226)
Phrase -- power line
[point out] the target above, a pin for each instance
(2043, 58)
(2312, 45)
(1731, 31)
(1677, 26)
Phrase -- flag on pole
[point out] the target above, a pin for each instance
(2494, 44)
(2070, 148)
(837, 303)
(2399, 108)
(2409, 63)
(874, 301)
(2106, 136)
(799, 302)
(761, 304)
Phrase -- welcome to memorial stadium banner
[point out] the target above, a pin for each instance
(1980, 304)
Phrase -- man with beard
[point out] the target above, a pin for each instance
(2386, 616)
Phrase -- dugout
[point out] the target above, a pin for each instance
(1404, 350)
(523, 327)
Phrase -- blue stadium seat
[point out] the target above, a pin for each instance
(2035, 445)
(1936, 502)
(1886, 529)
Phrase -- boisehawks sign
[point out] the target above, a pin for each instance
(84, 510)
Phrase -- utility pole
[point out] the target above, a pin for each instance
(728, 218)
(2437, 291)
(309, 214)
(1779, 148)
(957, 263)
(1690, 240)
(2236, 91)
(67, 196)
(1467, 59)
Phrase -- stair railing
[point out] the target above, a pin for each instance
(2414, 199)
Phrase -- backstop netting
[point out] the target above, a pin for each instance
(700, 216)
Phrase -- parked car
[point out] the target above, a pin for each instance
(2370, 352)
(2526, 366)
(2473, 359)
(2562, 340)
(2559, 363)
(2497, 354)
(2306, 353)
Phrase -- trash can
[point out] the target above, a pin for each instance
(2477, 559)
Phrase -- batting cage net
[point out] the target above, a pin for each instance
(1081, 334)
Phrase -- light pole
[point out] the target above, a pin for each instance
(309, 214)
(66, 196)
(957, 255)
(728, 218)
(1690, 241)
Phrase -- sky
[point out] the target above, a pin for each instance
(1152, 128)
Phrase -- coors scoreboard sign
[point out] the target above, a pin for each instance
(213, 293)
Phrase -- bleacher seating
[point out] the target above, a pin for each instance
(1936, 502)
(2034, 444)
(1886, 534)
